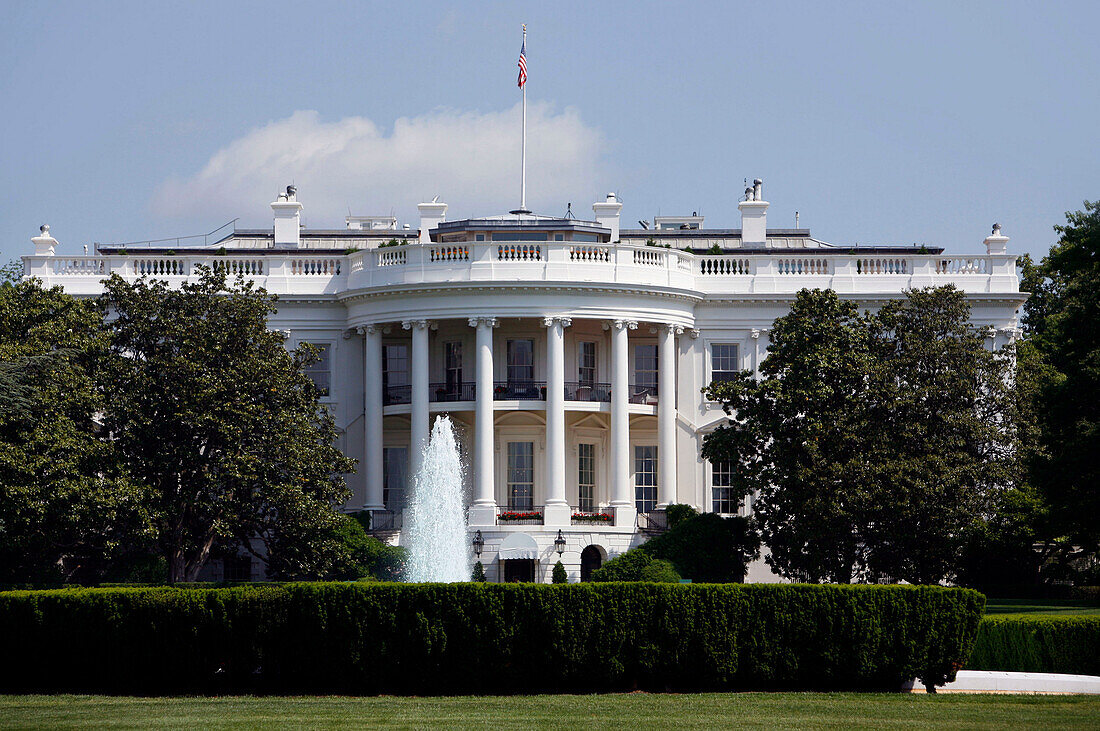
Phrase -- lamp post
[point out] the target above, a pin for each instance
(559, 543)
(479, 543)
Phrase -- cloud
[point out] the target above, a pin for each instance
(471, 160)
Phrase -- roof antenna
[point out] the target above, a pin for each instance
(796, 219)
(569, 212)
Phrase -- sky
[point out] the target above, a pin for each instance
(878, 122)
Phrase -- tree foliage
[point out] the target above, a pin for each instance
(559, 576)
(876, 441)
(66, 509)
(219, 423)
(1062, 321)
(706, 547)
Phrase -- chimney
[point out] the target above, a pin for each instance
(288, 218)
(607, 214)
(44, 244)
(995, 243)
(754, 215)
(431, 215)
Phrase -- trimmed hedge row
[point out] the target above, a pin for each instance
(1038, 644)
(482, 638)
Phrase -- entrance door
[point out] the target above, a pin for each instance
(591, 559)
(519, 569)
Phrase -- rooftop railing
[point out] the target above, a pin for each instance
(559, 261)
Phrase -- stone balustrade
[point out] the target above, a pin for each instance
(614, 264)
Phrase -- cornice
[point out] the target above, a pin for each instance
(390, 291)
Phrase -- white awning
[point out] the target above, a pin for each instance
(518, 545)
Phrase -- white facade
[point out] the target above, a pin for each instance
(570, 354)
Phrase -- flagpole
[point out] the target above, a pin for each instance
(523, 143)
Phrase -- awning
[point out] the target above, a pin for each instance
(518, 545)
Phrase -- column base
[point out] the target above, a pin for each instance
(482, 516)
(559, 515)
(625, 515)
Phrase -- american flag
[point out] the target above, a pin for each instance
(523, 63)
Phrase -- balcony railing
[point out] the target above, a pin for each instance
(644, 394)
(624, 264)
(466, 391)
(519, 391)
(589, 516)
(654, 521)
(396, 395)
(521, 516)
(587, 391)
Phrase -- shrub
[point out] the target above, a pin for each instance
(1067, 644)
(478, 573)
(364, 555)
(706, 547)
(367, 638)
(679, 512)
(559, 576)
(636, 565)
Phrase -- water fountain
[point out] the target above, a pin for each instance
(435, 523)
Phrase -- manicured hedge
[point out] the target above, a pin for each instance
(481, 638)
(1066, 644)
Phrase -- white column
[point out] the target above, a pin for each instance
(666, 414)
(557, 507)
(622, 499)
(484, 511)
(418, 437)
(372, 415)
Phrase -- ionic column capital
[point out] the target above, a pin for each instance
(370, 329)
(483, 321)
(621, 325)
(693, 333)
(549, 321)
(418, 324)
(667, 327)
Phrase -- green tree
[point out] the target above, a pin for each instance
(478, 573)
(66, 509)
(360, 555)
(1062, 324)
(218, 422)
(798, 437)
(943, 433)
(559, 575)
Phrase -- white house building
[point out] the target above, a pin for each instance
(570, 353)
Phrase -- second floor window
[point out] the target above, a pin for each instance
(645, 478)
(521, 361)
(725, 361)
(452, 357)
(645, 368)
(586, 364)
(395, 365)
(395, 468)
(722, 498)
(586, 477)
(521, 475)
(320, 371)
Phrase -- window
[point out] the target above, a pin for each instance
(479, 237)
(722, 497)
(645, 479)
(452, 364)
(521, 475)
(520, 236)
(395, 469)
(587, 238)
(521, 361)
(320, 371)
(725, 361)
(645, 370)
(395, 373)
(586, 477)
(586, 364)
(559, 237)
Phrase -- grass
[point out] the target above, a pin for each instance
(1038, 607)
(633, 710)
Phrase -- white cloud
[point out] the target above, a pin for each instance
(470, 160)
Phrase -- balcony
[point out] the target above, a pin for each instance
(519, 390)
(848, 271)
(521, 516)
(644, 394)
(444, 392)
(586, 515)
(587, 391)
(396, 395)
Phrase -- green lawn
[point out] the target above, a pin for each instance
(1041, 607)
(634, 710)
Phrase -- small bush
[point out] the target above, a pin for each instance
(364, 555)
(369, 638)
(636, 565)
(1067, 644)
(706, 547)
(478, 573)
(559, 576)
(679, 512)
